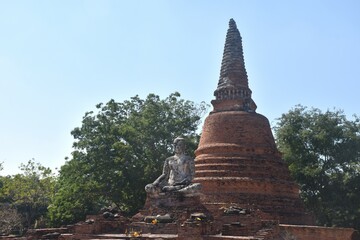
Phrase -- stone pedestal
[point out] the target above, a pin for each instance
(176, 207)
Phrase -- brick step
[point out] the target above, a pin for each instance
(237, 159)
(215, 166)
(216, 173)
(159, 228)
(221, 237)
(234, 171)
(162, 237)
(118, 236)
(248, 164)
(238, 229)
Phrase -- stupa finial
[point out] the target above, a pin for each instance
(232, 23)
(233, 81)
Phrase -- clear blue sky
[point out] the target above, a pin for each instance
(58, 59)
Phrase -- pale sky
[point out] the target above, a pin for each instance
(58, 59)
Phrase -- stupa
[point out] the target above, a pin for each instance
(246, 185)
(237, 160)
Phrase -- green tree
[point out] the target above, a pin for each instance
(118, 150)
(29, 192)
(10, 220)
(323, 153)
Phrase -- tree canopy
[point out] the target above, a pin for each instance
(25, 196)
(323, 153)
(118, 150)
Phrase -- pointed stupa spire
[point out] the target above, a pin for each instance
(233, 81)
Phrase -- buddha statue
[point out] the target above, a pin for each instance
(178, 173)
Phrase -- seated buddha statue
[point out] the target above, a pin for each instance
(178, 173)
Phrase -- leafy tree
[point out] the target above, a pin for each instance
(323, 153)
(118, 150)
(29, 192)
(10, 220)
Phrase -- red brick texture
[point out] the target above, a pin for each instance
(237, 162)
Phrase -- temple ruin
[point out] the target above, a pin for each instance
(246, 189)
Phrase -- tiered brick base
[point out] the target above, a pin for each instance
(237, 162)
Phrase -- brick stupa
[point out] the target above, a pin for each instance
(237, 160)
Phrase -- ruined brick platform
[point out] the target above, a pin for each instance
(179, 208)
